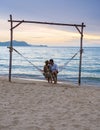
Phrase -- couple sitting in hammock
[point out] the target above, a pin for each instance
(50, 71)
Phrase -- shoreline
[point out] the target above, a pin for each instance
(59, 82)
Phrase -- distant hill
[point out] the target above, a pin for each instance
(19, 43)
(15, 43)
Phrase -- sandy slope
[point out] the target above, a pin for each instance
(35, 105)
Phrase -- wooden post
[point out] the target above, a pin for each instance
(81, 50)
(11, 40)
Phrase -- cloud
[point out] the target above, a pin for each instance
(90, 39)
(44, 34)
(50, 35)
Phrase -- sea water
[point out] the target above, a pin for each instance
(31, 60)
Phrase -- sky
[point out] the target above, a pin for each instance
(59, 11)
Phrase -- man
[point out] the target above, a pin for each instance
(54, 70)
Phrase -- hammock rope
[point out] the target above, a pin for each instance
(65, 64)
(27, 60)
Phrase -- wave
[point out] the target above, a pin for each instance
(91, 78)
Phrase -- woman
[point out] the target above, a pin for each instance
(47, 72)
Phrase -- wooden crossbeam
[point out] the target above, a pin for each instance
(49, 23)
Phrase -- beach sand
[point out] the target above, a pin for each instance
(38, 105)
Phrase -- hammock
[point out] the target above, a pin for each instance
(61, 67)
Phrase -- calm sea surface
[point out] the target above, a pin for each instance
(21, 68)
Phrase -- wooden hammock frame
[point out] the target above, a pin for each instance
(79, 27)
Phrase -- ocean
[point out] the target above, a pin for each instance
(31, 61)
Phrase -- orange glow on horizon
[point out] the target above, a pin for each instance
(36, 34)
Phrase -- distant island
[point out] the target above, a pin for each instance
(15, 43)
(20, 43)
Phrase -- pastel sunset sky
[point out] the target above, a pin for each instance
(59, 11)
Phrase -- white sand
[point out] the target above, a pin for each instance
(35, 105)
